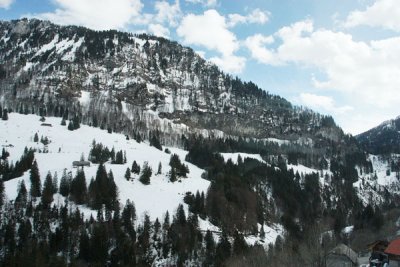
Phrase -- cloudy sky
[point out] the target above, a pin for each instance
(338, 57)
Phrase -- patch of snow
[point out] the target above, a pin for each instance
(278, 141)
(48, 46)
(234, 157)
(85, 98)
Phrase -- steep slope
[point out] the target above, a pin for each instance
(134, 84)
(383, 139)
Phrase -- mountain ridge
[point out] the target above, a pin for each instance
(382, 139)
(148, 83)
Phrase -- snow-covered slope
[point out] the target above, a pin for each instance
(67, 146)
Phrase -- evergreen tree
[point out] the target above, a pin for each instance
(135, 168)
(63, 122)
(35, 181)
(36, 138)
(76, 122)
(172, 175)
(127, 174)
(180, 215)
(55, 183)
(145, 174)
(71, 126)
(103, 190)
(48, 190)
(5, 115)
(22, 195)
(181, 170)
(78, 189)
(4, 154)
(64, 184)
(155, 140)
(159, 171)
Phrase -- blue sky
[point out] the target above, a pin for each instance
(337, 57)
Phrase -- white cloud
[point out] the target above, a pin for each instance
(257, 16)
(159, 30)
(382, 13)
(322, 103)
(206, 3)
(256, 44)
(167, 13)
(95, 14)
(211, 31)
(235, 19)
(230, 63)
(366, 71)
(6, 3)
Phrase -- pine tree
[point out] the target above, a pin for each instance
(172, 175)
(145, 174)
(5, 115)
(135, 168)
(22, 195)
(159, 171)
(103, 190)
(64, 184)
(78, 189)
(48, 190)
(128, 174)
(36, 138)
(71, 126)
(128, 215)
(63, 122)
(35, 181)
(76, 122)
(180, 215)
(4, 154)
(55, 183)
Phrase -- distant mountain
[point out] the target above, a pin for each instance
(141, 83)
(382, 139)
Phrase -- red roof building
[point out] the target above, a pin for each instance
(393, 250)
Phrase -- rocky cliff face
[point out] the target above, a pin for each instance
(140, 84)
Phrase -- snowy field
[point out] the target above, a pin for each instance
(67, 146)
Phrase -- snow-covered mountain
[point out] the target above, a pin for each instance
(141, 83)
(262, 166)
(383, 139)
